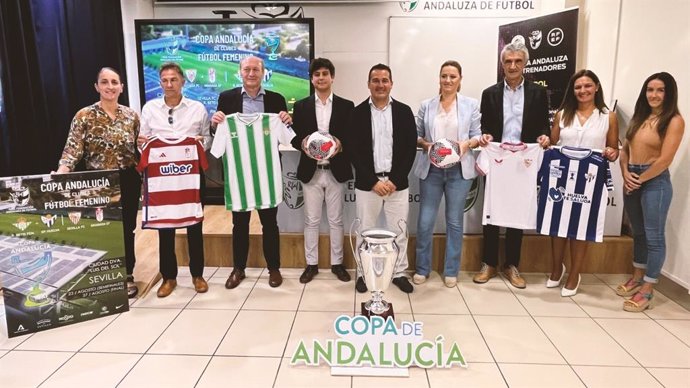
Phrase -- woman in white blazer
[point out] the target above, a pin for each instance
(456, 118)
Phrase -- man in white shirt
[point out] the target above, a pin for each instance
(322, 180)
(382, 145)
(174, 116)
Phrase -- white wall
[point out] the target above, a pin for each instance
(623, 41)
(655, 36)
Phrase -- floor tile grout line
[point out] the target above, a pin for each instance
(670, 332)
(547, 336)
(493, 357)
(287, 340)
(82, 347)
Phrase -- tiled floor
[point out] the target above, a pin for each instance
(245, 337)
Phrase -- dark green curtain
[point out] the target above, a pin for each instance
(50, 53)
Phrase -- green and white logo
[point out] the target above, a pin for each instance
(408, 6)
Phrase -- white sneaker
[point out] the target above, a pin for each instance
(418, 279)
(450, 281)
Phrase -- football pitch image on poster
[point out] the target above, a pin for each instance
(61, 249)
(209, 53)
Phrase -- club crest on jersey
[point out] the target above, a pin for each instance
(74, 217)
(48, 220)
(590, 177)
(187, 153)
(174, 169)
(556, 194)
(528, 162)
(22, 223)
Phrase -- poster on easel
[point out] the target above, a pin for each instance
(61, 249)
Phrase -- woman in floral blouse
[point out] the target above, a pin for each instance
(104, 134)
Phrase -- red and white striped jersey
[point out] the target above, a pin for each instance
(171, 174)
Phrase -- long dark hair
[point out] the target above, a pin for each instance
(669, 108)
(451, 63)
(569, 104)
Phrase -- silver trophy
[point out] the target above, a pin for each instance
(377, 256)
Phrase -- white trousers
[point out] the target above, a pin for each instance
(395, 207)
(323, 187)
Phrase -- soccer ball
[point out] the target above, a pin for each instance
(444, 153)
(320, 145)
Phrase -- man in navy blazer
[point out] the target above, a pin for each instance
(252, 98)
(322, 180)
(513, 111)
(382, 145)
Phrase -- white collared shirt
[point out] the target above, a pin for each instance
(323, 112)
(323, 117)
(382, 136)
(189, 119)
(513, 108)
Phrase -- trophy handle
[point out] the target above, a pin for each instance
(402, 224)
(357, 222)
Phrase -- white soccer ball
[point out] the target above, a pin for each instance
(444, 153)
(320, 145)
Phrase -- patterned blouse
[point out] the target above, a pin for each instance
(104, 143)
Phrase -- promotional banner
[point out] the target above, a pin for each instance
(552, 44)
(61, 249)
(291, 210)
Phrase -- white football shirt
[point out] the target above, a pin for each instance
(510, 196)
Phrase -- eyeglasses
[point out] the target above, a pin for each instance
(170, 117)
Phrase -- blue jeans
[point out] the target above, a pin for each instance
(647, 208)
(439, 182)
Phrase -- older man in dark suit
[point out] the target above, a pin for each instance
(513, 111)
(252, 98)
(382, 145)
(323, 180)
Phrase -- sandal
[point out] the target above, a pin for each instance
(638, 307)
(629, 288)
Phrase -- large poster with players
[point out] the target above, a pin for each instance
(552, 44)
(61, 249)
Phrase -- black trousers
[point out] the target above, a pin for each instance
(271, 237)
(130, 189)
(166, 247)
(167, 260)
(513, 245)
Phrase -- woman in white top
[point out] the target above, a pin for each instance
(456, 118)
(584, 121)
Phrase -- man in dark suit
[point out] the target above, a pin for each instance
(323, 180)
(513, 111)
(252, 98)
(382, 145)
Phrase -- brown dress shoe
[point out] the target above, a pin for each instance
(166, 288)
(309, 273)
(341, 273)
(235, 278)
(200, 284)
(513, 275)
(275, 279)
(487, 272)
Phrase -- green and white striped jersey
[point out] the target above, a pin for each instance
(248, 144)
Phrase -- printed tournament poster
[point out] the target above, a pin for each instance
(552, 44)
(61, 249)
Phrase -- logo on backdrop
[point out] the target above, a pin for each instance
(408, 6)
(556, 36)
(535, 39)
(292, 191)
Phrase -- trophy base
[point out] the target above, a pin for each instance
(384, 315)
